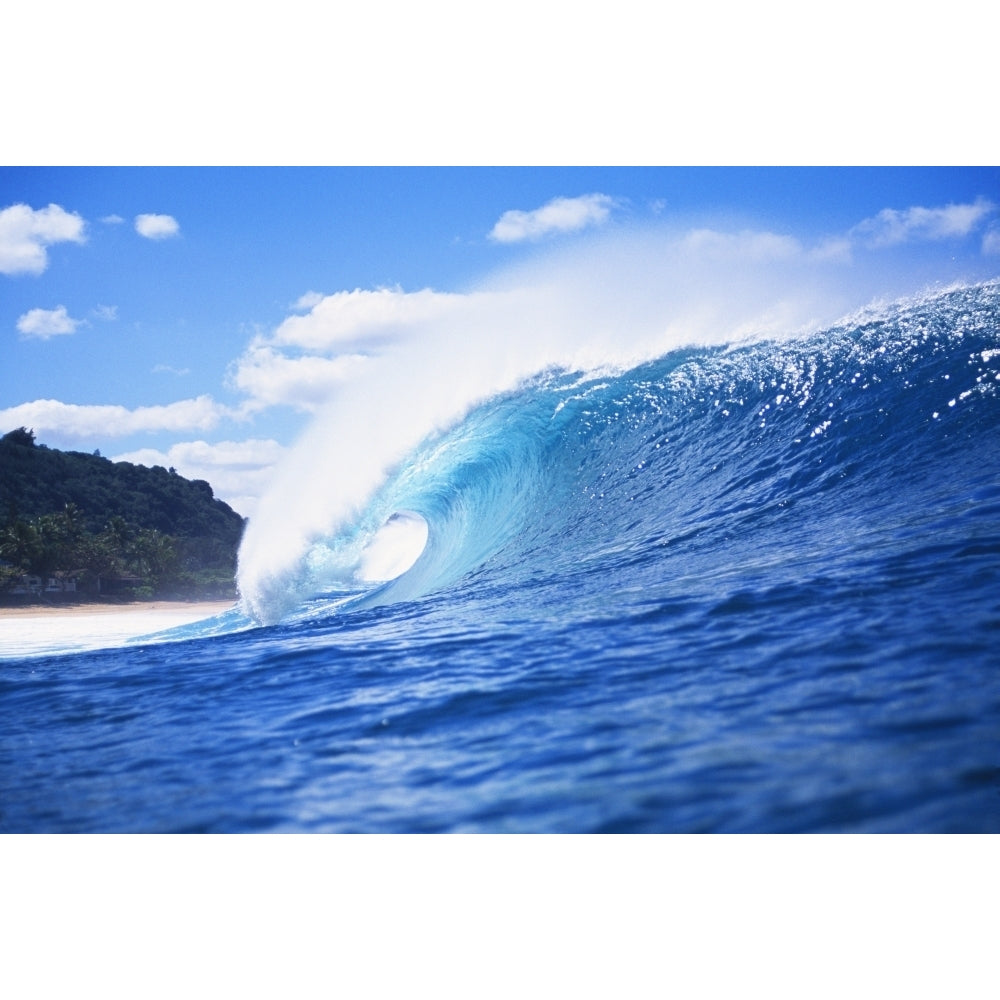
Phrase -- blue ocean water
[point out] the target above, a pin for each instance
(749, 587)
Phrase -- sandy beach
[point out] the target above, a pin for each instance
(203, 608)
(33, 630)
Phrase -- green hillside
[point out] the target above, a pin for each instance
(111, 527)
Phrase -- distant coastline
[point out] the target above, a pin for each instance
(77, 527)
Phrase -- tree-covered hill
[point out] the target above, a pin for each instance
(111, 525)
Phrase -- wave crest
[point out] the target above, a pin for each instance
(572, 467)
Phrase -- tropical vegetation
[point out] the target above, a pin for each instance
(83, 524)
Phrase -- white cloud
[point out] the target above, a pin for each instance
(347, 318)
(918, 223)
(271, 378)
(73, 422)
(309, 356)
(105, 312)
(25, 233)
(991, 240)
(308, 300)
(45, 323)
(156, 227)
(112, 220)
(561, 215)
(239, 471)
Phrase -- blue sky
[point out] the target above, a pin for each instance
(199, 317)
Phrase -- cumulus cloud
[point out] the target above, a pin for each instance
(239, 471)
(45, 323)
(66, 422)
(271, 378)
(25, 233)
(561, 215)
(349, 318)
(156, 227)
(308, 300)
(891, 226)
(303, 362)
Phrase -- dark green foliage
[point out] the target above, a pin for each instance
(112, 521)
(22, 436)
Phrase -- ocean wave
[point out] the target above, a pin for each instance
(703, 461)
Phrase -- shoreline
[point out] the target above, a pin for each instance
(38, 630)
(100, 608)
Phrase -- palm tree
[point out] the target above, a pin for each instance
(20, 544)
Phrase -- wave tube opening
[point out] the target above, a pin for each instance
(397, 545)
